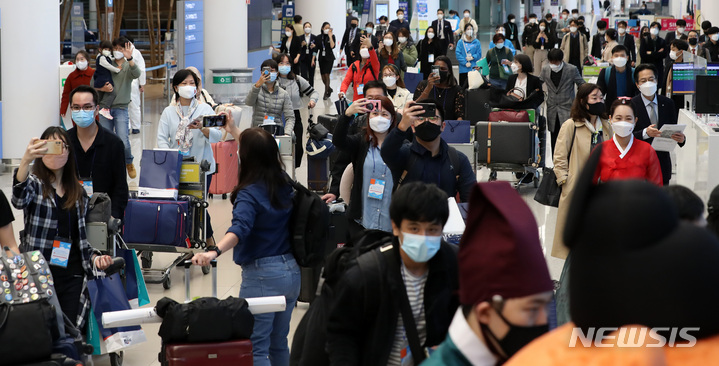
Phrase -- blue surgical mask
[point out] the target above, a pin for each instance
(285, 69)
(273, 76)
(500, 45)
(420, 248)
(83, 119)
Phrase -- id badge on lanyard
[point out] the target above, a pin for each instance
(430, 58)
(376, 188)
(360, 89)
(87, 185)
(60, 252)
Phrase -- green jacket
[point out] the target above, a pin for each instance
(123, 84)
(447, 354)
(410, 54)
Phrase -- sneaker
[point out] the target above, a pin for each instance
(131, 172)
(106, 113)
(135, 131)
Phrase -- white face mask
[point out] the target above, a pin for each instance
(288, 34)
(440, 16)
(466, 15)
(673, 55)
(648, 89)
(364, 53)
(680, 30)
(501, 31)
(400, 17)
(369, 30)
(556, 68)
(715, 37)
(622, 30)
(308, 30)
(542, 28)
(622, 129)
(326, 31)
(654, 31)
(532, 20)
(186, 91)
(402, 39)
(620, 61)
(390, 81)
(430, 35)
(118, 55)
(575, 15)
(81, 65)
(379, 124)
(514, 68)
(388, 42)
(513, 20)
(573, 29)
(602, 32)
(469, 33)
(564, 16)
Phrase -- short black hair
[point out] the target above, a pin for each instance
(419, 201)
(374, 84)
(680, 44)
(526, 63)
(581, 18)
(689, 206)
(466, 11)
(104, 44)
(555, 54)
(84, 89)
(440, 9)
(643, 67)
(532, 15)
(399, 10)
(179, 77)
(622, 22)
(612, 34)
(549, 15)
(511, 16)
(270, 63)
(369, 24)
(565, 11)
(713, 30)
(620, 48)
(706, 25)
(440, 108)
(576, 22)
(575, 10)
(601, 24)
(297, 18)
(656, 24)
(120, 41)
(384, 17)
(681, 22)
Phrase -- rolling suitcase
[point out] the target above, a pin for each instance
(477, 107)
(506, 143)
(318, 174)
(225, 178)
(310, 276)
(236, 353)
(329, 121)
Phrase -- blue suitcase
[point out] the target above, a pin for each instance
(161, 222)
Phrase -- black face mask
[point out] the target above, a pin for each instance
(596, 109)
(353, 25)
(443, 75)
(693, 41)
(427, 131)
(515, 339)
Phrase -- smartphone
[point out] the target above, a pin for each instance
(374, 105)
(435, 70)
(430, 109)
(54, 147)
(216, 120)
(266, 70)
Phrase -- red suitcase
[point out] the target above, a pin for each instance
(225, 178)
(236, 353)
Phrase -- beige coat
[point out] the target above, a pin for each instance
(582, 47)
(607, 53)
(567, 171)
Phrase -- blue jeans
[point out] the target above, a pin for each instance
(119, 125)
(272, 276)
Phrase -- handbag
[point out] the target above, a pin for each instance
(509, 115)
(160, 173)
(456, 132)
(549, 191)
(316, 131)
(135, 286)
(412, 79)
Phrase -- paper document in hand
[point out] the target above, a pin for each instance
(668, 130)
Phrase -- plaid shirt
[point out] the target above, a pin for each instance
(41, 229)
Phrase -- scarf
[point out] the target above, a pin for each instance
(184, 134)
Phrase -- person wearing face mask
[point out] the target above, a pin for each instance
(138, 87)
(712, 44)
(653, 111)
(695, 48)
(428, 158)
(574, 46)
(291, 44)
(560, 79)
(444, 89)
(326, 56)
(297, 87)
(413, 267)
(270, 102)
(361, 71)
(627, 40)
(583, 29)
(505, 288)
(624, 157)
(368, 32)
(80, 76)
(399, 23)
(586, 128)
(706, 25)
(563, 24)
(499, 59)
(551, 24)
(202, 94)
(599, 40)
(653, 49)
(390, 54)
(396, 91)
(467, 19)
(98, 152)
(501, 30)
(678, 54)
(529, 29)
(373, 185)
(453, 15)
(348, 39)
(511, 32)
(617, 81)
(543, 40)
(678, 33)
(307, 58)
(444, 32)
(103, 76)
(408, 47)
(54, 206)
(575, 13)
(429, 49)
(468, 52)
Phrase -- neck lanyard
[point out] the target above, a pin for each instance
(69, 218)
(443, 95)
(92, 165)
(374, 165)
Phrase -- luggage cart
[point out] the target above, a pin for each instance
(193, 187)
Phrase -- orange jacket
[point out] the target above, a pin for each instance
(359, 76)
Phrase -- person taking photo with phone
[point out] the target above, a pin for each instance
(442, 87)
(270, 102)
(362, 71)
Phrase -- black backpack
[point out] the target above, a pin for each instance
(309, 226)
(308, 344)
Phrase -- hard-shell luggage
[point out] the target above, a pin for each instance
(161, 222)
(236, 353)
(318, 173)
(506, 143)
(226, 160)
(310, 276)
(477, 106)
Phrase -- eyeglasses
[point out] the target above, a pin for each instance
(86, 108)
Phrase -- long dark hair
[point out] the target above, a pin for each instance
(71, 185)
(579, 112)
(395, 47)
(451, 80)
(278, 58)
(260, 162)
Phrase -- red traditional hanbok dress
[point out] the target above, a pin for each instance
(638, 161)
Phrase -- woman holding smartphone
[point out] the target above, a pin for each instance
(181, 127)
(54, 204)
(442, 87)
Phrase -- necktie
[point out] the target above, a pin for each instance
(352, 36)
(694, 51)
(653, 114)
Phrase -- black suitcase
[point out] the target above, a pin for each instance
(506, 143)
(329, 121)
(477, 105)
(310, 276)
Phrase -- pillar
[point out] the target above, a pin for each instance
(28, 82)
(333, 12)
(225, 36)
(93, 15)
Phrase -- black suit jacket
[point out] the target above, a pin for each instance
(511, 31)
(534, 83)
(597, 43)
(610, 90)
(666, 115)
(346, 42)
(630, 45)
(306, 51)
(295, 47)
(396, 25)
(448, 34)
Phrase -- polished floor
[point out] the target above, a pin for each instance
(229, 274)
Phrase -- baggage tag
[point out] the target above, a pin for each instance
(87, 185)
(376, 188)
(360, 89)
(430, 58)
(60, 252)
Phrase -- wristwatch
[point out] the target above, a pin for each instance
(129, 59)
(215, 249)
